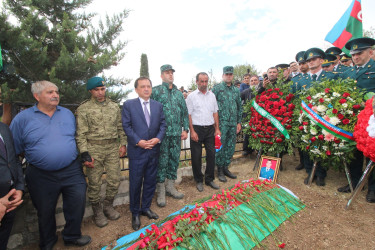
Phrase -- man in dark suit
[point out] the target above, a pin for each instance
(144, 125)
(11, 184)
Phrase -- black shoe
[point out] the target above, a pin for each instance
(136, 222)
(344, 189)
(213, 185)
(200, 186)
(320, 181)
(83, 241)
(306, 181)
(221, 176)
(50, 245)
(150, 214)
(300, 167)
(229, 174)
(370, 197)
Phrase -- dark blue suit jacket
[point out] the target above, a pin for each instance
(136, 129)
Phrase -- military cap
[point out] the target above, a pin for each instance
(359, 44)
(166, 67)
(313, 53)
(228, 70)
(282, 66)
(334, 51)
(345, 58)
(94, 82)
(330, 58)
(299, 56)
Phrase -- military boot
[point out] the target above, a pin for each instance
(99, 218)
(229, 173)
(160, 190)
(220, 175)
(172, 191)
(109, 211)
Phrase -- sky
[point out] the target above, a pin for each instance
(195, 36)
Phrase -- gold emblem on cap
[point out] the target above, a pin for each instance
(355, 46)
(332, 53)
(301, 58)
(311, 54)
(325, 61)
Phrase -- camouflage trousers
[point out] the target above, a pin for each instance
(169, 158)
(106, 158)
(228, 140)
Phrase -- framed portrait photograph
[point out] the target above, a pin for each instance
(269, 168)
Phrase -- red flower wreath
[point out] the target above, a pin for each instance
(365, 143)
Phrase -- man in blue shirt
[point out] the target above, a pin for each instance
(266, 172)
(45, 134)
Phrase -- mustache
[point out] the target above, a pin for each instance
(54, 99)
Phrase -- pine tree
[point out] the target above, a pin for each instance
(144, 66)
(56, 41)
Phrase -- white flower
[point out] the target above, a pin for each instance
(345, 105)
(350, 99)
(321, 108)
(324, 148)
(335, 94)
(341, 145)
(334, 120)
(313, 131)
(349, 112)
(315, 151)
(305, 129)
(300, 119)
(324, 132)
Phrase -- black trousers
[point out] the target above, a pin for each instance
(355, 169)
(308, 163)
(6, 228)
(45, 188)
(245, 145)
(206, 136)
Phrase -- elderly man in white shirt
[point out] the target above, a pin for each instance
(204, 126)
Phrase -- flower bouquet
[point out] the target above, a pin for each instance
(325, 121)
(270, 119)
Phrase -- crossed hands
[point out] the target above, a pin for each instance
(148, 144)
(10, 201)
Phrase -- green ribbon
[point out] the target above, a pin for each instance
(272, 119)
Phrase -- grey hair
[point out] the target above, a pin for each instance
(39, 86)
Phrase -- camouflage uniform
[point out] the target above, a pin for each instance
(176, 117)
(99, 127)
(230, 114)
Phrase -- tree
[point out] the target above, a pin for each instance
(57, 41)
(211, 81)
(144, 66)
(369, 33)
(241, 69)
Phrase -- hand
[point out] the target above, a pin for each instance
(153, 142)
(3, 210)
(184, 135)
(89, 164)
(122, 151)
(15, 200)
(217, 132)
(194, 136)
(266, 81)
(143, 144)
(238, 128)
(6, 202)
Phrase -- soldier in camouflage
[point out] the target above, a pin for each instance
(101, 140)
(177, 120)
(230, 115)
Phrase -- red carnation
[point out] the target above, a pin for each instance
(345, 121)
(305, 123)
(308, 98)
(337, 140)
(310, 105)
(281, 93)
(328, 152)
(282, 136)
(335, 111)
(340, 116)
(321, 137)
(321, 100)
(313, 139)
(346, 94)
(342, 101)
(288, 127)
(282, 245)
(327, 90)
(356, 106)
(307, 147)
(278, 140)
(276, 89)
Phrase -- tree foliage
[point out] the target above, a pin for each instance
(144, 66)
(369, 33)
(57, 41)
(241, 69)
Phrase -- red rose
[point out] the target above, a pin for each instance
(345, 121)
(288, 127)
(321, 100)
(321, 137)
(307, 147)
(346, 94)
(356, 106)
(276, 89)
(342, 101)
(282, 136)
(327, 90)
(337, 140)
(282, 245)
(308, 98)
(305, 123)
(335, 111)
(310, 105)
(340, 116)
(328, 152)
(281, 93)
(278, 140)
(313, 139)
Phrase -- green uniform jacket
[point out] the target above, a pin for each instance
(305, 81)
(174, 108)
(229, 103)
(365, 77)
(341, 69)
(98, 121)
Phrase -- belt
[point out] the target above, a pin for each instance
(207, 126)
(102, 142)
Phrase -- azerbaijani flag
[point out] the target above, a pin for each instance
(348, 27)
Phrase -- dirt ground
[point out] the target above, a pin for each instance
(323, 224)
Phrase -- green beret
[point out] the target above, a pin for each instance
(334, 51)
(359, 44)
(166, 67)
(330, 58)
(299, 56)
(282, 66)
(94, 82)
(313, 53)
(228, 70)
